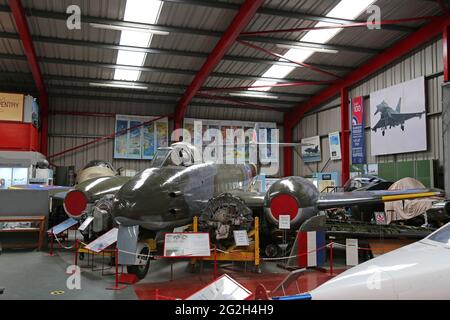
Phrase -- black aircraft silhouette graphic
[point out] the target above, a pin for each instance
(312, 150)
(391, 118)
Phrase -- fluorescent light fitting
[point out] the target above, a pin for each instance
(117, 85)
(307, 48)
(253, 95)
(124, 28)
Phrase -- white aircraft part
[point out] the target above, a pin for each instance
(418, 271)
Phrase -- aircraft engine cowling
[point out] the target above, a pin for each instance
(75, 203)
(293, 196)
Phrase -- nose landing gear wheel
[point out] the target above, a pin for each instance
(142, 270)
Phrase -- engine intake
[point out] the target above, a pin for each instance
(293, 196)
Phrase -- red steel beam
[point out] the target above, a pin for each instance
(243, 103)
(345, 137)
(446, 51)
(109, 136)
(240, 21)
(275, 85)
(386, 57)
(341, 26)
(25, 36)
(274, 54)
(403, 47)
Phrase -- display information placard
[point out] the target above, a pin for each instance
(189, 244)
(63, 226)
(241, 238)
(351, 252)
(224, 288)
(335, 145)
(284, 222)
(85, 223)
(104, 241)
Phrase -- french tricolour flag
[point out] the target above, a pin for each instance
(311, 249)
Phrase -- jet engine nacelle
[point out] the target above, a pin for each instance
(293, 196)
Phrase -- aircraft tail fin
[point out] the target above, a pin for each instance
(397, 109)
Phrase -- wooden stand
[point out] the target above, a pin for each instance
(40, 229)
(233, 253)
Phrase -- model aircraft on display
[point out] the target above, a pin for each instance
(417, 271)
(391, 118)
(176, 188)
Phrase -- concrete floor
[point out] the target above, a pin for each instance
(35, 275)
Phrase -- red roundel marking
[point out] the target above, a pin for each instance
(75, 203)
(284, 204)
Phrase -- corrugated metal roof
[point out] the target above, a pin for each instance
(181, 69)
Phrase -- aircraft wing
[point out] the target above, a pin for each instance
(60, 195)
(252, 199)
(380, 124)
(399, 117)
(346, 199)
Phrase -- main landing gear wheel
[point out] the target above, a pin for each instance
(402, 127)
(272, 250)
(142, 270)
(382, 132)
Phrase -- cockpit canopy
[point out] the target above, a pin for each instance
(442, 235)
(178, 154)
(99, 163)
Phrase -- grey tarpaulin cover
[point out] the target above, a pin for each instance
(407, 209)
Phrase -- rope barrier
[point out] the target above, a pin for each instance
(60, 244)
(295, 256)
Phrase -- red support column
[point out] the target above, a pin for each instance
(446, 51)
(28, 47)
(240, 21)
(345, 136)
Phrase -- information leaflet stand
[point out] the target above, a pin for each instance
(58, 229)
(100, 247)
(223, 288)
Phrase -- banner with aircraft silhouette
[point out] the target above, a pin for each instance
(398, 118)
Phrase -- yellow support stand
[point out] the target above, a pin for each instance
(233, 253)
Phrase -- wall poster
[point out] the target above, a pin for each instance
(335, 145)
(232, 148)
(311, 149)
(141, 141)
(398, 118)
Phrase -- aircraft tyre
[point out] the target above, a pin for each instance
(140, 271)
(402, 127)
(382, 132)
(272, 250)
